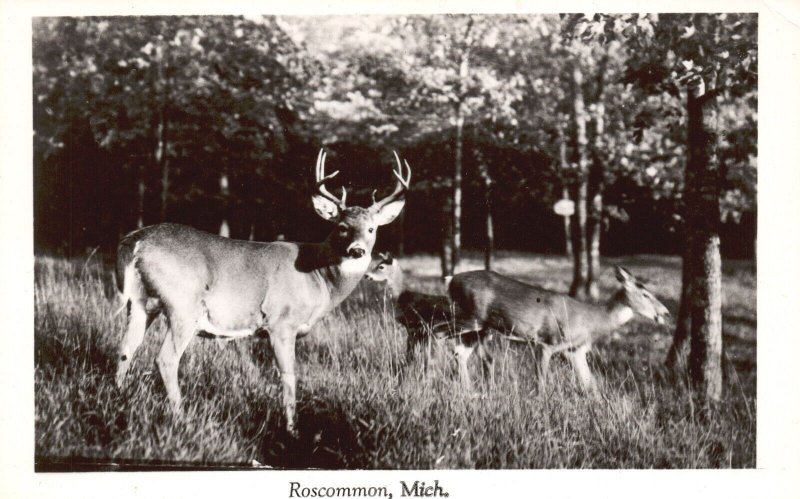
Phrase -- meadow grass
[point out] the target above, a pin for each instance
(354, 410)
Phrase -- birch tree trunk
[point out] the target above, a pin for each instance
(224, 190)
(141, 192)
(580, 156)
(595, 208)
(488, 250)
(457, 179)
(562, 150)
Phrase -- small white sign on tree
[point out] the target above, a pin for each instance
(564, 207)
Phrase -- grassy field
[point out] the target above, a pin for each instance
(353, 410)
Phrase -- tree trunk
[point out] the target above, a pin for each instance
(401, 233)
(702, 199)
(457, 178)
(562, 149)
(161, 91)
(458, 167)
(567, 229)
(445, 254)
(141, 193)
(162, 160)
(580, 157)
(488, 250)
(580, 265)
(595, 189)
(676, 356)
(224, 190)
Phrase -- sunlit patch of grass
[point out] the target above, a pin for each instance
(356, 411)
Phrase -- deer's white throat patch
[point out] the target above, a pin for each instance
(624, 314)
(355, 265)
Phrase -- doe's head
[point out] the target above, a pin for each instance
(356, 227)
(385, 269)
(640, 299)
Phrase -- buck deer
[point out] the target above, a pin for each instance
(423, 315)
(218, 287)
(554, 322)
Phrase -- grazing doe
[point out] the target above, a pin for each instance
(213, 286)
(424, 316)
(554, 322)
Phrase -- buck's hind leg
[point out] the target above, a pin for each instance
(141, 311)
(139, 320)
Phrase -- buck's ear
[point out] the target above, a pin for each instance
(388, 212)
(624, 276)
(325, 208)
(389, 258)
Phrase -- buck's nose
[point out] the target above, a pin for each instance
(355, 252)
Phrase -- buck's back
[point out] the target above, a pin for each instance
(241, 283)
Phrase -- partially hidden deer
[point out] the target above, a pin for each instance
(212, 286)
(428, 317)
(552, 321)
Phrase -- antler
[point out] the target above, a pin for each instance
(400, 188)
(321, 179)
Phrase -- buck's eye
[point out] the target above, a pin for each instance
(380, 267)
(343, 229)
(371, 230)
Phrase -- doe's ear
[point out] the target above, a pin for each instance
(325, 208)
(623, 275)
(389, 212)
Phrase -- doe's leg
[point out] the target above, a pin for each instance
(487, 361)
(544, 354)
(581, 367)
(463, 352)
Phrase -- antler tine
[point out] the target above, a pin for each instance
(322, 178)
(403, 181)
(399, 172)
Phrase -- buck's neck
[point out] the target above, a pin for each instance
(340, 275)
(618, 312)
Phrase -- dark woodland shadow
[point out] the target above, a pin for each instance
(329, 439)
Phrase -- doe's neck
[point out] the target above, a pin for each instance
(618, 309)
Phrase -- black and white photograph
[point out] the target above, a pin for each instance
(395, 241)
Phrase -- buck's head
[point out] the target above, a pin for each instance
(356, 227)
(640, 299)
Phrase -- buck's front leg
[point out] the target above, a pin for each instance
(283, 346)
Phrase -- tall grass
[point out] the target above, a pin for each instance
(354, 412)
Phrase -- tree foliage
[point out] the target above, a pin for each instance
(177, 103)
